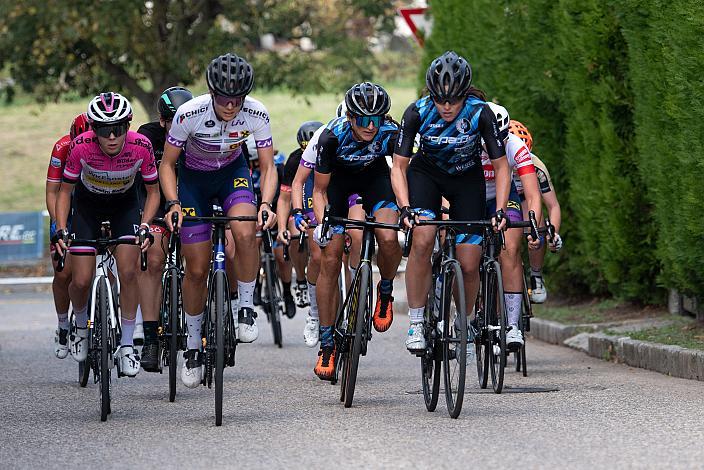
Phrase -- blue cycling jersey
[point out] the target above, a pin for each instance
(453, 146)
(338, 148)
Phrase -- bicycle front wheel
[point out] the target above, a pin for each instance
(497, 327)
(274, 297)
(431, 359)
(105, 345)
(359, 321)
(171, 293)
(454, 337)
(221, 296)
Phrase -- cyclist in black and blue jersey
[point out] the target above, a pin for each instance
(452, 121)
(351, 159)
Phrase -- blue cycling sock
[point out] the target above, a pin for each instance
(326, 337)
(386, 286)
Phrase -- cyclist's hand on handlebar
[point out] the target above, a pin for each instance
(300, 219)
(271, 217)
(177, 210)
(408, 217)
(284, 237)
(534, 244)
(319, 238)
(144, 238)
(556, 243)
(498, 220)
(61, 241)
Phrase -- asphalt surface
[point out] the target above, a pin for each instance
(277, 414)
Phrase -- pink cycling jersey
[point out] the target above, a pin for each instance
(102, 174)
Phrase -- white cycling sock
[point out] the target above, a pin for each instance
(416, 314)
(139, 318)
(536, 272)
(193, 323)
(313, 301)
(513, 306)
(127, 332)
(63, 320)
(246, 293)
(81, 316)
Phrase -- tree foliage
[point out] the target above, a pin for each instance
(141, 47)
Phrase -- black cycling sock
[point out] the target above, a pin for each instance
(150, 329)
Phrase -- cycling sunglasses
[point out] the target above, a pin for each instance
(225, 101)
(363, 121)
(116, 129)
(450, 101)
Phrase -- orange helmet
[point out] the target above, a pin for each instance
(519, 130)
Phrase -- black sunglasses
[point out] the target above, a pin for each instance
(116, 129)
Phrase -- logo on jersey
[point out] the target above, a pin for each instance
(55, 162)
(235, 146)
(210, 123)
(462, 125)
(258, 114)
(241, 183)
(310, 202)
(188, 211)
(374, 147)
(522, 155)
(436, 125)
(238, 134)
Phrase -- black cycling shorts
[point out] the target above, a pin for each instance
(466, 192)
(373, 184)
(91, 210)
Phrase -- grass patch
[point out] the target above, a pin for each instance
(683, 331)
(596, 311)
(28, 132)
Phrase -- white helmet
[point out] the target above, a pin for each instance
(341, 109)
(109, 108)
(502, 117)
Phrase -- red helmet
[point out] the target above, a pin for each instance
(79, 125)
(519, 130)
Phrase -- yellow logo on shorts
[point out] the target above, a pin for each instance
(241, 183)
(188, 211)
(513, 205)
(310, 202)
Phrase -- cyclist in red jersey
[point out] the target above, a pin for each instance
(102, 166)
(59, 285)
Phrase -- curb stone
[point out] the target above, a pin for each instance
(671, 360)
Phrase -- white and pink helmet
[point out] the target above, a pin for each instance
(109, 108)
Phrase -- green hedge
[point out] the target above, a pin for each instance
(612, 92)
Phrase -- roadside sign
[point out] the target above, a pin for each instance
(21, 236)
(420, 23)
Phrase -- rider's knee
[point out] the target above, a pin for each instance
(388, 242)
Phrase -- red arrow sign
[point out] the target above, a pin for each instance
(416, 20)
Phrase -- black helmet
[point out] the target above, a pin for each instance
(230, 75)
(367, 99)
(306, 131)
(449, 77)
(171, 99)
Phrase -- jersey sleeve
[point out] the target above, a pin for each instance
(391, 143)
(57, 161)
(519, 157)
(290, 170)
(410, 124)
(72, 170)
(148, 168)
(544, 180)
(327, 151)
(178, 134)
(261, 127)
(310, 154)
(489, 130)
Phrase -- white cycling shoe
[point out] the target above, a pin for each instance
(311, 332)
(127, 361)
(61, 343)
(192, 370)
(514, 338)
(538, 292)
(79, 344)
(247, 330)
(415, 341)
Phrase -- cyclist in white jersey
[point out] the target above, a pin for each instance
(211, 130)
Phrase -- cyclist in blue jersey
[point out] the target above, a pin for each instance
(351, 159)
(452, 121)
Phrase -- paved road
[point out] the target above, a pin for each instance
(278, 415)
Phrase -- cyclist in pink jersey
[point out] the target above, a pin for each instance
(102, 166)
(62, 279)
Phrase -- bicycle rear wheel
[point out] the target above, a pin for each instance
(480, 341)
(497, 326)
(431, 359)
(274, 297)
(454, 337)
(105, 346)
(171, 293)
(221, 296)
(360, 304)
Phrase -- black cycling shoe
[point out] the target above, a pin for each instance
(290, 306)
(150, 357)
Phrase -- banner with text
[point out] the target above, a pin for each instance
(21, 236)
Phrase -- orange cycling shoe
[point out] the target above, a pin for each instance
(325, 368)
(384, 311)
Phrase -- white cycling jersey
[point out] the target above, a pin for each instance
(519, 160)
(211, 143)
(310, 154)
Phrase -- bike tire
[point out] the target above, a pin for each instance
(101, 312)
(221, 296)
(454, 344)
(356, 352)
(497, 319)
(480, 341)
(273, 300)
(174, 333)
(430, 361)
